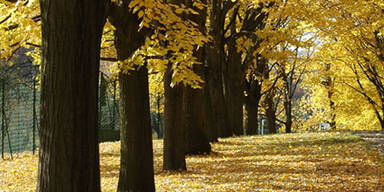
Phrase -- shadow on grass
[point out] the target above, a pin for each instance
(274, 163)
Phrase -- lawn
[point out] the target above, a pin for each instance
(294, 162)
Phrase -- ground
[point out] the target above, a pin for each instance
(292, 162)
(374, 138)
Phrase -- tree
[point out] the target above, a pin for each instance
(329, 83)
(253, 88)
(292, 71)
(270, 111)
(136, 164)
(193, 99)
(69, 153)
(174, 129)
(183, 115)
(216, 109)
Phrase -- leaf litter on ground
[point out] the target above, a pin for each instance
(285, 162)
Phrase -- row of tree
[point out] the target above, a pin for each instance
(212, 56)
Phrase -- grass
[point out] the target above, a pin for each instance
(293, 162)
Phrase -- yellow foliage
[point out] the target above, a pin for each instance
(294, 162)
(20, 26)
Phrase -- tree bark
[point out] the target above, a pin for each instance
(253, 88)
(210, 130)
(218, 105)
(174, 133)
(214, 75)
(381, 120)
(136, 163)
(193, 100)
(288, 115)
(329, 86)
(234, 89)
(270, 113)
(288, 93)
(69, 153)
(197, 141)
(252, 106)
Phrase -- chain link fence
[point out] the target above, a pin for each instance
(20, 106)
(20, 112)
(19, 118)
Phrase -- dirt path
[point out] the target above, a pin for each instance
(374, 138)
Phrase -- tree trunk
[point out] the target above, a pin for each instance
(69, 152)
(136, 163)
(210, 130)
(214, 75)
(252, 106)
(193, 100)
(288, 115)
(197, 141)
(183, 124)
(333, 113)
(329, 86)
(381, 117)
(202, 99)
(214, 85)
(271, 115)
(381, 120)
(234, 92)
(174, 134)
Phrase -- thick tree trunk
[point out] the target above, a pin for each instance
(136, 164)
(214, 75)
(233, 90)
(197, 141)
(215, 87)
(195, 119)
(234, 77)
(183, 124)
(193, 99)
(210, 130)
(211, 126)
(69, 153)
(174, 133)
